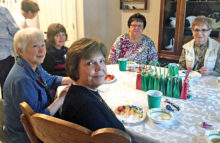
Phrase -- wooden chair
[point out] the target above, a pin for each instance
(53, 130)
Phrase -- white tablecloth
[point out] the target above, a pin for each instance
(204, 106)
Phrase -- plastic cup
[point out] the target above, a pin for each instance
(122, 64)
(154, 98)
(173, 69)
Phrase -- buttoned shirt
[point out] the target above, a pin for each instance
(8, 28)
(22, 85)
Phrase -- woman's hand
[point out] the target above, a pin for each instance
(64, 91)
(58, 102)
(66, 80)
(205, 71)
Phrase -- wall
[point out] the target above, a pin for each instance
(99, 19)
(103, 20)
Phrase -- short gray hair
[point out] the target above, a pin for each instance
(23, 36)
(202, 20)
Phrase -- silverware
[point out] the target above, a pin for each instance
(172, 104)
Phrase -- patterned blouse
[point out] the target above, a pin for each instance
(143, 51)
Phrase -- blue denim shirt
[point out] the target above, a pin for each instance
(21, 85)
(8, 28)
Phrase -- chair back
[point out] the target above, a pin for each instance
(53, 130)
(27, 112)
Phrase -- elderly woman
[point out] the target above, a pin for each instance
(134, 46)
(54, 62)
(28, 82)
(85, 64)
(202, 53)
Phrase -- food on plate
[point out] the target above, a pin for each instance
(164, 117)
(215, 140)
(109, 77)
(132, 66)
(128, 110)
(160, 115)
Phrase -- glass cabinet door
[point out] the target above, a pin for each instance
(169, 24)
(176, 18)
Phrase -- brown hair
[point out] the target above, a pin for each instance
(28, 5)
(202, 20)
(83, 48)
(52, 30)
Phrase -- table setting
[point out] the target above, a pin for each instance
(176, 120)
(167, 119)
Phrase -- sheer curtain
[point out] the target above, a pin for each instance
(12, 5)
(15, 5)
(51, 11)
(59, 11)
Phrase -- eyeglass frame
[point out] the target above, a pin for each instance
(138, 26)
(202, 30)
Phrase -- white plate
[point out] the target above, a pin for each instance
(159, 115)
(111, 81)
(194, 74)
(218, 80)
(132, 66)
(136, 117)
(213, 136)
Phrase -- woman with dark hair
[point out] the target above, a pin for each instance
(134, 45)
(54, 62)
(85, 64)
(29, 10)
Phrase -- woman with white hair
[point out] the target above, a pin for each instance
(202, 53)
(27, 81)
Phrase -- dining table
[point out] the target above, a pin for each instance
(186, 125)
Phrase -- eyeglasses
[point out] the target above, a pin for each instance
(202, 30)
(138, 26)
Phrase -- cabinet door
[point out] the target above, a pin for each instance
(171, 28)
(208, 8)
(176, 18)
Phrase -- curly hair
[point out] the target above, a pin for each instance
(202, 20)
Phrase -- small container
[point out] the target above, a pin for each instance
(213, 136)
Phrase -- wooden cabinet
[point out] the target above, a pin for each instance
(175, 24)
(133, 4)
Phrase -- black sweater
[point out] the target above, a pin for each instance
(86, 108)
(54, 62)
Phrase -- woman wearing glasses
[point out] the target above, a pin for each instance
(202, 53)
(135, 46)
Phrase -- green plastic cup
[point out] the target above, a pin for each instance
(122, 62)
(173, 69)
(154, 98)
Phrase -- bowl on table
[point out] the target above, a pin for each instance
(213, 136)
